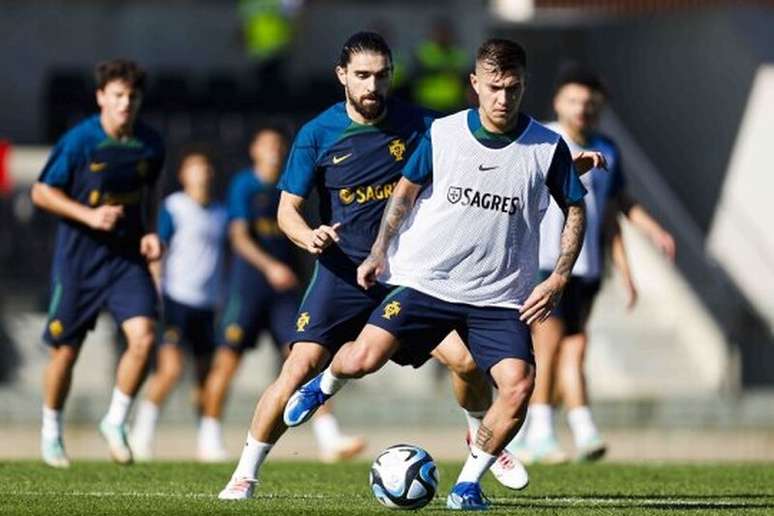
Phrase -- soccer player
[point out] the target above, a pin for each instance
(561, 341)
(193, 228)
(459, 238)
(99, 181)
(263, 295)
(352, 154)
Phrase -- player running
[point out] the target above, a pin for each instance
(99, 180)
(263, 295)
(193, 228)
(560, 341)
(352, 154)
(459, 238)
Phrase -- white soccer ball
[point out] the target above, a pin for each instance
(404, 477)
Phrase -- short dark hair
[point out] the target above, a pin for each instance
(576, 73)
(119, 70)
(501, 56)
(363, 42)
(272, 126)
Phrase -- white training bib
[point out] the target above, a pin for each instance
(473, 236)
(194, 261)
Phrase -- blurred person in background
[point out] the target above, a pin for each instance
(440, 70)
(263, 295)
(100, 181)
(352, 154)
(192, 226)
(561, 341)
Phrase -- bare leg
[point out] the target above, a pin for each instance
(169, 368)
(572, 386)
(546, 337)
(58, 375)
(131, 367)
(224, 366)
(471, 387)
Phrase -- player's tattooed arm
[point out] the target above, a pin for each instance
(572, 239)
(398, 208)
(546, 295)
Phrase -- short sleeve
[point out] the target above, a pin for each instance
(61, 164)
(299, 175)
(419, 168)
(562, 178)
(239, 199)
(165, 227)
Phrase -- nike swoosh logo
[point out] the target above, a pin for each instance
(339, 159)
(97, 166)
(482, 168)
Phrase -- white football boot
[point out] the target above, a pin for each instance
(238, 488)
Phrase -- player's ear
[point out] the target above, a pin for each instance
(341, 73)
(100, 95)
(474, 82)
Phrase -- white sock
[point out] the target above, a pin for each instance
(541, 423)
(145, 421)
(474, 419)
(582, 425)
(326, 430)
(330, 384)
(253, 455)
(52, 423)
(119, 408)
(210, 433)
(476, 465)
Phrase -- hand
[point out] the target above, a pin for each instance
(665, 243)
(543, 298)
(322, 237)
(369, 270)
(281, 277)
(105, 217)
(587, 160)
(150, 247)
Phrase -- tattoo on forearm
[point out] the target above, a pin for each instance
(572, 239)
(398, 208)
(483, 436)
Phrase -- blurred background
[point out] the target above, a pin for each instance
(688, 374)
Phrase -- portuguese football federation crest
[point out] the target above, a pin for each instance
(391, 310)
(454, 194)
(397, 149)
(302, 321)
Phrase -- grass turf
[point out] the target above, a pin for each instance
(311, 488)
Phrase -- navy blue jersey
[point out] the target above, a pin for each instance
(94, 169)
(354, 168)
(256, 203)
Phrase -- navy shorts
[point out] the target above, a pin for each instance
(254, 306)
(122, 286)
(575, 306)
(189, 327)
(420, 321)
(335, 309)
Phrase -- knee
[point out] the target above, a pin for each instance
(362, 360)
(171, 371)
(517, 389)
(465, 367)
(141, 344)
(65, 355)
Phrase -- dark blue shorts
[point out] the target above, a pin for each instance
(122, 286)
(254, 306)
(189, 327)
(577, 301)
(335, 309)
(421, 321)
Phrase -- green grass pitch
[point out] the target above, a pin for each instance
(311, 488)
